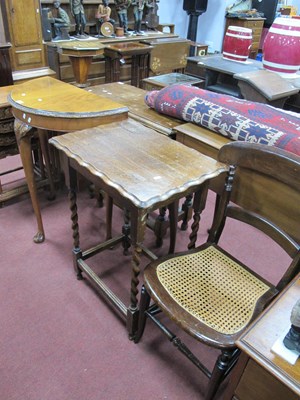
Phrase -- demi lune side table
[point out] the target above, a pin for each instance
(140, 170)
(51, 105)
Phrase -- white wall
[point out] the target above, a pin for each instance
(171, 12)
(211, 24)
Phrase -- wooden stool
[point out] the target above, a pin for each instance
(161, 27)
(114, 57)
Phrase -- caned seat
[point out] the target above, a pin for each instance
(206, 291)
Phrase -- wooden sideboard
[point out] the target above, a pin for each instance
(259, 373)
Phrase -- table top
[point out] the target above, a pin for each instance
(270, 84)
(65, 107)
(258, 340)
(133, 98)
(216, 62)
(172, 78)
(137, 163)
(80, 49)
(129, 48)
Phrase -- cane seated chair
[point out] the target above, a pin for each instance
(206, 291)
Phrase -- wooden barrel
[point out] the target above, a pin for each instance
(281, 47)
(119, 31)
(237, 43)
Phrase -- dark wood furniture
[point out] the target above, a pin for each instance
(8, 143)
(115, 55)
(111, 156)
(133, 98)
(81, 55)
(168, 55)
(160, 81)
(209, 143)
(6, 78)
(52, 105)
(64, 71)
(265, 86)
(219, 73)
(207, 291)
(255, 24)
(246, 80)
(260, 373)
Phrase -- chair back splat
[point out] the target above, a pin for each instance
(206, 291)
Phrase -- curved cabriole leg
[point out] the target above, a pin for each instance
(23, 136)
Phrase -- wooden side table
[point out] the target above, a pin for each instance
(137, 168)
(114, 56)
(160, 81)
(81, 55)
(49, 104)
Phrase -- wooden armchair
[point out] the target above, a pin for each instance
(207, 292)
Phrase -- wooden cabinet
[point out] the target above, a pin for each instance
(260, 374)
(256, 24)
(22, 21)
(6, 78)
(8, 144)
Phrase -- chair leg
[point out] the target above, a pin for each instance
(144, 304)
(219, 372)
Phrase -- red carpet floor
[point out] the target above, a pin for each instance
(61, 341)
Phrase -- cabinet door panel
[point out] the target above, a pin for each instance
(24, 23)
(25, 18)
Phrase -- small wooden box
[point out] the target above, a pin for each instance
(160, 81)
